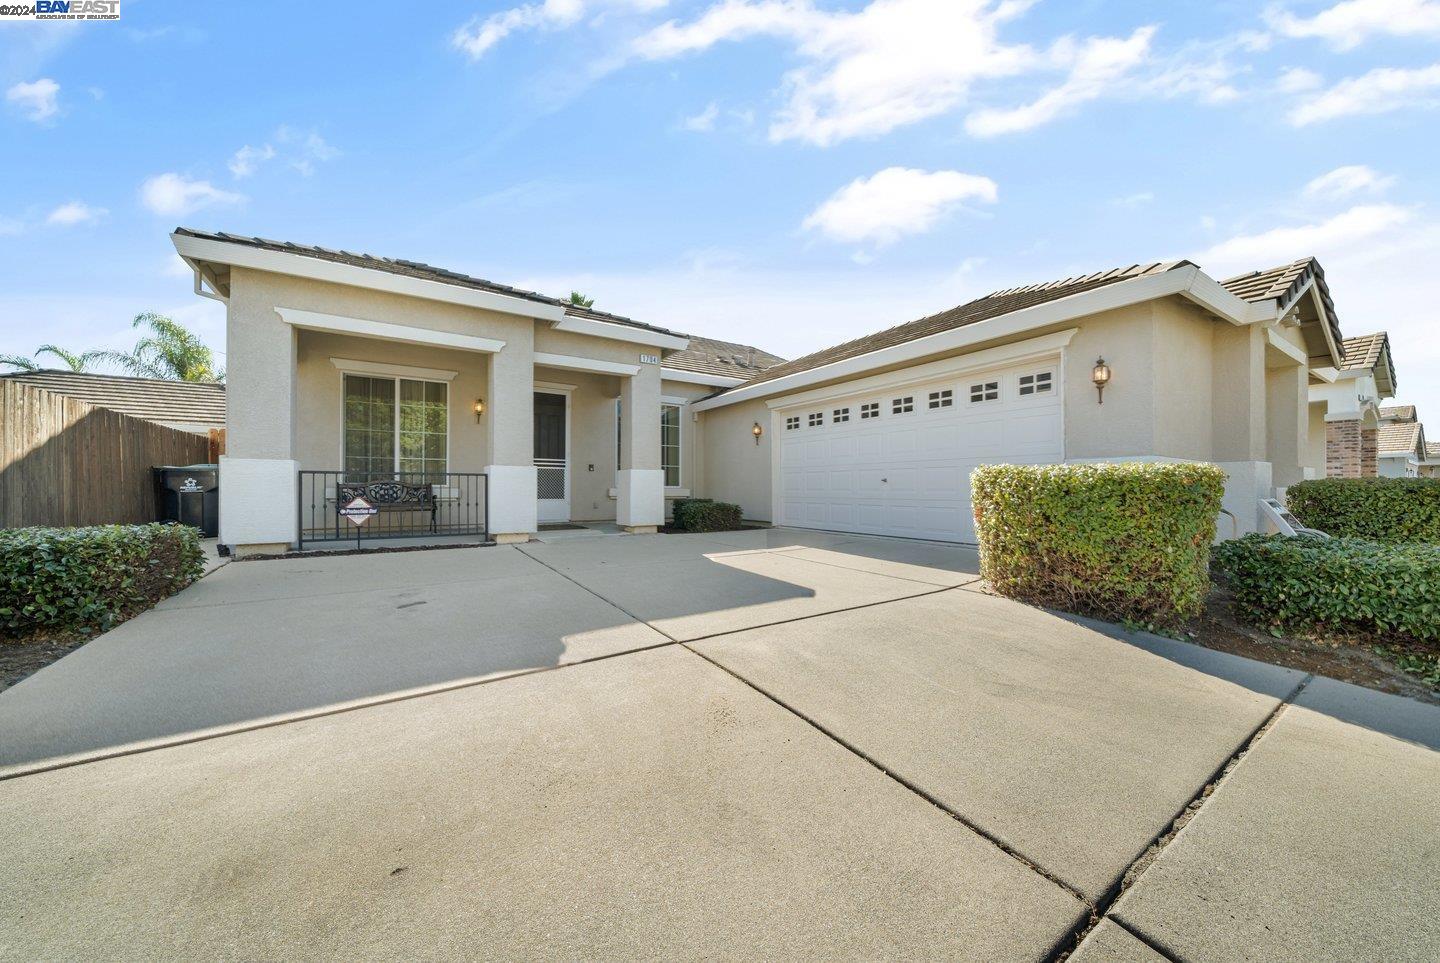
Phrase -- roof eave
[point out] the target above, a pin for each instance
(207, 250)
(1187, 281)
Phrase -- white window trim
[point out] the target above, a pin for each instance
(679, 407)
(984, 386)
(353, 366)
(395, 380)
(671, 491)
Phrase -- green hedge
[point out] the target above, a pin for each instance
(705, 515)
(1124, 542)
(83, 578)
(1335, 585)
(1380, 509)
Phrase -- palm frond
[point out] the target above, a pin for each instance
(19, 362)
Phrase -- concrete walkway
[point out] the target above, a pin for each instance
(770, 743)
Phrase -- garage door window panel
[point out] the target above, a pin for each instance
(902, 406)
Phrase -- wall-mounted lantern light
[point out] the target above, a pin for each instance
(757, 431)
(1100, 377)
(479, 409)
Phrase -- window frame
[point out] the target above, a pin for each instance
(869, 409)
(940, 398)
(679, 407)
(394, 380)
(792, 422)
(840, 415)
(985, 388)
(815, 419)
(903, 405)
(1035, 383)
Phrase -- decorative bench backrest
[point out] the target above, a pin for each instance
(384, 493)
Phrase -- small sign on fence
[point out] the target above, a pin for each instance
(358, 510)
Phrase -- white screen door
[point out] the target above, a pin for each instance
(552, 456)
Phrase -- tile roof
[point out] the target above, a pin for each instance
(992, 305)
(1285, 284)
(1364, 351)
(1432, 451)
(416, 269)
(722, 358)
(1400, 438)
(192, 406)
(1398, 413)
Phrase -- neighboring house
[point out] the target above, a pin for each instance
(196, 407)
(1402, 447)
(1345, 409)
(334, 359)
(1430, 467)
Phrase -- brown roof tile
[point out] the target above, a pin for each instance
(725, 358)
(179, 404)
(1398, 413)
(1284, 284)
(972, 312)
(1400, 437)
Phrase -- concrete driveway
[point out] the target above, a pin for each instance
(758, 744)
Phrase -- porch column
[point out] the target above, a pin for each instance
(1238, 421)
(640, 489)
(1287, 425)
(259, 475)
(1344, 446)
(510, 441)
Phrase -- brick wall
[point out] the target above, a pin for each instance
(1369, 452)
(1343, 445)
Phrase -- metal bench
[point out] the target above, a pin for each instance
(389, 496)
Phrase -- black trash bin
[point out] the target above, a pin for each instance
(190, 495)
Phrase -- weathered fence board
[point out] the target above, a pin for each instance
(66, 462)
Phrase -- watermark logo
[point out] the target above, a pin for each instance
(62, 10)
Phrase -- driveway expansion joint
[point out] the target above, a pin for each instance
(999, 844)
(1136, 870)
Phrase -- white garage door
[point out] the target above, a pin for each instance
(898, 461)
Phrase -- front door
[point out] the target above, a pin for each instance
(552, 455)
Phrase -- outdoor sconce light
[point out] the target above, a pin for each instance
(1101, 377)
(757, 431)
(479, 409)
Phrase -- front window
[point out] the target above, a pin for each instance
(395, 425)
(670, 444)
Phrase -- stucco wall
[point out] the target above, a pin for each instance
(1183, 359)
(736, 469)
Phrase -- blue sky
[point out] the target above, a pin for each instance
(783, 172)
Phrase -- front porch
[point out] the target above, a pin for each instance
(469, 439)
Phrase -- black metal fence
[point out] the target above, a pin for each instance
(337, 506)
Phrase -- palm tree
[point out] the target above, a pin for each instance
(170, 351)
(75, 361)
(580, 300)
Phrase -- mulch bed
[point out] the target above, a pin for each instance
(22, 658)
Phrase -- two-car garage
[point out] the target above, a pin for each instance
(896, 460)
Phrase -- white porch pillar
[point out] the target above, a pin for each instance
(510, 441)
(640, 489)
(259, 475)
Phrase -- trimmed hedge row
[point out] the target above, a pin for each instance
(705, 515)
(1122, 542)
(1335, 585)
(83, 578)
(1380, 509)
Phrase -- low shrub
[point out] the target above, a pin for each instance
(1123, 542)
(705, 515)
(1335, 585)
(1380, 509)
(84, 578)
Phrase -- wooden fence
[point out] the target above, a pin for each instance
(66, 462)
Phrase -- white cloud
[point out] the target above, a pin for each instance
(74, 212)
(175, 195)
(39, 99)
(867, 72)
(1346, 25)
(482, 33)
(1298, 80)
(1096, 67)
(1347, 180)
(1341, 233)
(703, 121)
(1132, 201)
(1378, 91)
(307, 148)
(895, 202)
(248, 159)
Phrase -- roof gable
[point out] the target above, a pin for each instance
(1286, 285)
(1371, 352)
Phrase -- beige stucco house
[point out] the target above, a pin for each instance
(1403, 451)
(342, 366)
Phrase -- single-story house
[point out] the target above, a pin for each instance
(196, 407)
(1345, 408)
(1402, 447)
(1430, 467)
(344, 366)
